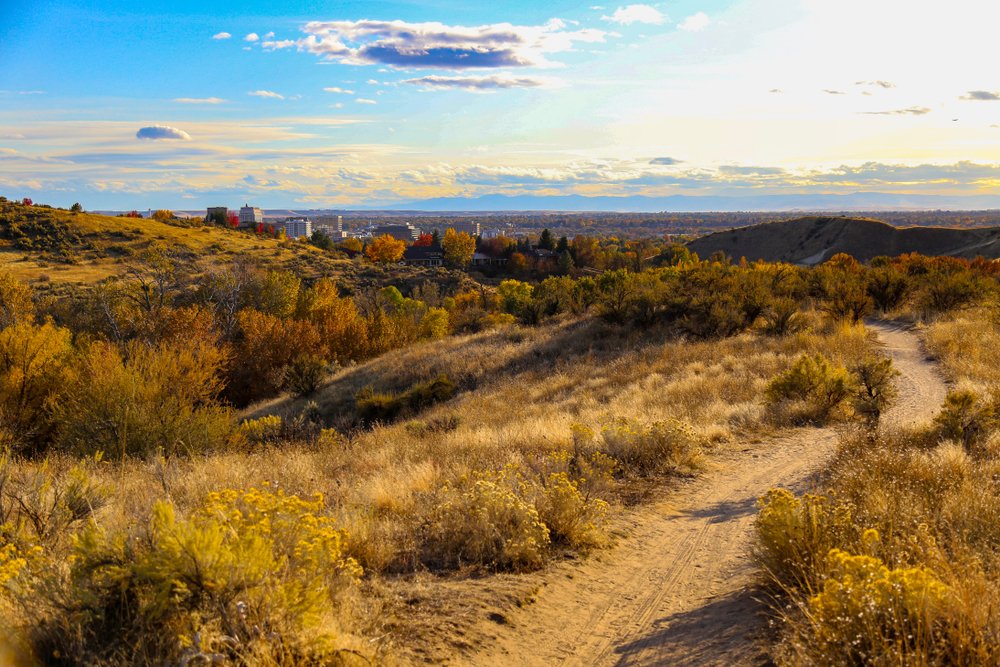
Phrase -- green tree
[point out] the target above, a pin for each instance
(76, 208)
(546, 240)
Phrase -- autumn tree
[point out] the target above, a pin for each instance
(425, 240)
(459, 247)
(33, 374)
(16, 304)
(385, 249)
(163, 215)
(145, 399)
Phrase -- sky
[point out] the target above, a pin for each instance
(182, 104)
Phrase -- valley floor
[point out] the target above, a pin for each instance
(679, 588)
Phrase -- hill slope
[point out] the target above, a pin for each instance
(55, 247)
(812, 240)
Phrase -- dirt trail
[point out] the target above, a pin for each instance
(678, 588)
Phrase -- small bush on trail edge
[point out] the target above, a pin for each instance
(967, 418)
(375, 407)
(875, 391)
(815, 385)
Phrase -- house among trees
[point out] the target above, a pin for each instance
(482, 259)
(423, 256)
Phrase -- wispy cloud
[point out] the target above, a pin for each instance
(336, 89)
(665, 161)
(400, 44)
(477, 83)
(221, 35)
(364, 100)
(630, 14)
(199, 100)
(830, 91)
(909, 111)
(876, 84)
(695, 22)
(157, 132)
(981, 96)
(266, 93)
(252, 37)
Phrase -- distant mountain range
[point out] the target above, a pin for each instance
(858, 201)
(812, 240)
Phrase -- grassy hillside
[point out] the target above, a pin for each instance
(812, 240)
(46, 246)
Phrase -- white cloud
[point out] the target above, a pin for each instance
(342, 91)
(478, 83)
(403, 45)
(630, 14)
(199, 100)
(695, 22)
(221, 35)
(266, 93)
(157, 132)
(252, 37)
(269, 35)
(362, 100)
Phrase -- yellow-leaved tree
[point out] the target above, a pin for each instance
(385, 249)
(459, 247)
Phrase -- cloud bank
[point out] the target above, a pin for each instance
(404, 45)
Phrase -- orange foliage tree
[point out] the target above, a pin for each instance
(385, 249)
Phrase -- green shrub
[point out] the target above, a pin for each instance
(966, 417)
(375, 407)
(876, 390)
(305, 374)
(814, 383)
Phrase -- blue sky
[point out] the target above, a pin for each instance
(187, 104)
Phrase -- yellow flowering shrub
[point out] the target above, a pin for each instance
(794, 535)
(248, 573)
(663, 446)
(865, 606)
(571, 517)
(264, 430)
(485, 519)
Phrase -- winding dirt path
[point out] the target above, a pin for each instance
(678, 589)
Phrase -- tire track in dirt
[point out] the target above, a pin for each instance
(678, 589)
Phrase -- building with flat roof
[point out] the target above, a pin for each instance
(470, 227)
(250, 216)
(298, 227)
(406, 232)
(218, 215)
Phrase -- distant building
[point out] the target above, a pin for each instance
(481, 259)
(217, 215)
(470, 227)
(298, 227)
(331, 226)
(406, 232)
(251, 216)
(423, 256)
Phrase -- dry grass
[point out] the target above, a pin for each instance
(529, 445)
(897, 561)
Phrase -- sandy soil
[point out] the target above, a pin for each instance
(679, 587)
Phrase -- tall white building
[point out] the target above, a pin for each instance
(298, 227)
(250, 216)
